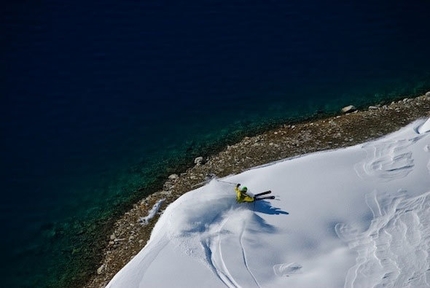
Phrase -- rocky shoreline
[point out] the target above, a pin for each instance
(350, 128)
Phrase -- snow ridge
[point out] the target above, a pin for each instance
(387, 160)
(393, 252)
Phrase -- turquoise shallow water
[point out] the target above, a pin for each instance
(101, 100)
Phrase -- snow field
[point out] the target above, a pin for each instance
(351, 217)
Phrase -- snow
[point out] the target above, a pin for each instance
(425, 127)
(152, 212)
(351, 217)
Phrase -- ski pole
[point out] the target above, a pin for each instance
(226, 182)
(213, 176)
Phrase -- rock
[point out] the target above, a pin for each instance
(167, 186)
(173, 176)
(210, 176)
(428, 94)
(112, 237)
(100, 269)
(348, 109)
(199, 161)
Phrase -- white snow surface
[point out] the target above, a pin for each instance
(351, 217)
(154, 210)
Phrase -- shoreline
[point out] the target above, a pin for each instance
(285, 141)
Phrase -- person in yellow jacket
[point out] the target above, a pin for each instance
(241, 195)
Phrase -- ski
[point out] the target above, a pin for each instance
(263, 198)
(263, 193)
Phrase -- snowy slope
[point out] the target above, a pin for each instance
(353, 217)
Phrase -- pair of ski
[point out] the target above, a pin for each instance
(258, 197)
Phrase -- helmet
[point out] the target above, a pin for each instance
(244, 189)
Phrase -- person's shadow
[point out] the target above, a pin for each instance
(267, 208)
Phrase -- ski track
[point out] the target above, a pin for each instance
(225, 234)
(231, 234)
(219, 265)
(245, 261)
(203, 240)
(427, 149)
(201, 235)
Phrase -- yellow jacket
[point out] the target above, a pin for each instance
(241, 196)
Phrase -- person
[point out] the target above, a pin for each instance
(241, 195)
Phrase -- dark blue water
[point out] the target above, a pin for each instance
(98, 99)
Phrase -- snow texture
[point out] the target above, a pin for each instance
(351, 217)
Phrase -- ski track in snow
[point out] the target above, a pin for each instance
(232, 241)
(245, 261)
(218, 264)
(427, 149)
(206, 240)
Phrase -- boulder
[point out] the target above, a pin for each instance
(199, 161)
(348, 109)
(173, 177)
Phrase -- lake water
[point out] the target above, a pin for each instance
(99, 99)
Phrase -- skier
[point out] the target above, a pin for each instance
(242, 196)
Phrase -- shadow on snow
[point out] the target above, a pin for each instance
(267, 208)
